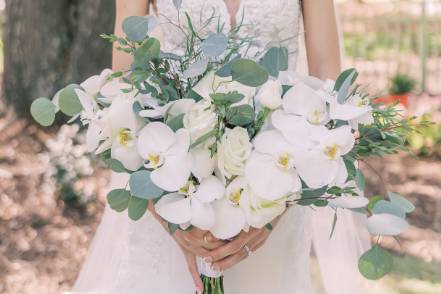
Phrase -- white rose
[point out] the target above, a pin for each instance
(270, 94)
(200, 119)
(209, 84)
(233, 151)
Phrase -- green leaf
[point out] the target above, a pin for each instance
(227, 98)
(118, 199)
(43, 111)
(275, 60)
(314, 193)
(203, 138)
(269, 226)
(69, 102)
(375, 263)
(137, 208)
(225, 71)
(321, 203)
(136, 28)
(241, 115)
(176, 122)
(344, 89)
(172, 228)
(350, 167)
(373, 201)
(142, 186)
(388, 207)
(147, 51)
(334, 223)
(115, 165)
(343, 76)
(401, 202)
(214, 45)
(249, 73)
(360, 179)
(177, 4)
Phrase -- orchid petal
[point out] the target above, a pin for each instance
(313, 168)
(156, 138)
(93, 136)
(347, 111)
(203, 163)
(349, 202)
(92, 85)
(174, 208)
(202, 214)
(230, 220)
(128, 156)
(341, 137)
(174, 174)
(182, 143)
(210, 189)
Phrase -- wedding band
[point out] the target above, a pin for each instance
(205, 239)
(248, 250)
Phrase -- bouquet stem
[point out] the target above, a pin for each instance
(213, 285)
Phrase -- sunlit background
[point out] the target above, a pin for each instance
(52, 193)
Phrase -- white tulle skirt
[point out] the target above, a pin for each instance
(140, 257)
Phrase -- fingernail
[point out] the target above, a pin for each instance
(208, 259)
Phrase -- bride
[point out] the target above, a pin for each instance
(142, 258)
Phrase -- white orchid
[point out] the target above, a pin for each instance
(171, 109)
(233, 151)
(166, 152)
(93, 85)
(270, 170)
(191, 204)
(305, 101)
(323, 163)
(270, 94)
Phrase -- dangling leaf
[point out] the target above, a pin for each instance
(360, 179)
(344, 89)
(227, 98)
(249, 73)
(142, 186)
(137, 208)
(115, 165)
(196, 69)
(214, 45)
(405, 205)
(177, 4)
(375, 263)
(147, 51)
(388, 207)
(275, 60)
(69, 102)
(136, 28)
(343, 76)
(43, 111)
(118, 199)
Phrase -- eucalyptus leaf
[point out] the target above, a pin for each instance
(241, 115)
(227, 98)
(136, 28)
(115, 165)
(141, 185)
(214, 45)
(43, 111)
(176, 122)
(350, 167)
(248, 73)
(344, 89)
(360, 179)
(384, 206)
(177, 4)
(404, 204)
(275, 60)
(203, 138)
(137, 208)
(225, 71)
(343, 76)
(118, 199)
(196, 69)
(147, 51)
(375, 263)
(69, 102)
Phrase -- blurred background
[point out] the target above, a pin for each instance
(52, 193)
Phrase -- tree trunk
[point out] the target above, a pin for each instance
(51, 43)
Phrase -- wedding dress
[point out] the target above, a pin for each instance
(140, 257)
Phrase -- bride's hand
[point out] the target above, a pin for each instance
(238, 249)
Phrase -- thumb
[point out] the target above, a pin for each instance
(193, 268)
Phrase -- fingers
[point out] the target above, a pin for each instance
(211, 242)
(193, 268)
(230, 261)
(229, 248)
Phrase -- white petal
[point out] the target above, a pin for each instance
(210, 189)
(386, 225)
(202, 214)
(238, 183)
(272, 143)
(93, 136)
(128, 156)
(174, 208)
(180, 106)
(182, 143)
(342, 173)
(156, 138)
(174, 174)
(349, 202)
(208, 84)
(342, 137)
(315, 169)
(347, 111)
(106, 145)
(121, 116)
(203, 164)
(92, 85)
(267, 179)
(86, 102)
(151, 113)
(229, 220)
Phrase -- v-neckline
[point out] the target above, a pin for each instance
(230, 10)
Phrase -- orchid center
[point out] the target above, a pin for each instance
(125, 137)
(154, 160)
(188, 190)
(316, 117)
(332, 152)
(360, 102)
(285, 161)
(235, 196)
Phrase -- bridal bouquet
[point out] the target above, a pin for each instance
(224, 140)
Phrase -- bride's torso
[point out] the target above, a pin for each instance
(267, 21)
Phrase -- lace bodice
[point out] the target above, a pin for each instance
(270, 21)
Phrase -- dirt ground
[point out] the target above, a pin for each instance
(43, 243)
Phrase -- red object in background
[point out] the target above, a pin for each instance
(402, 99)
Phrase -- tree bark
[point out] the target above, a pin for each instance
(51, 43)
